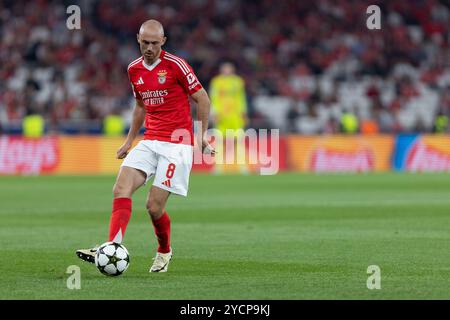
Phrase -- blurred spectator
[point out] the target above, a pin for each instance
(228, 99)
(292, 118)
(229, 109)
(349, 122)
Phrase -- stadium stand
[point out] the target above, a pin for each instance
(305, 62)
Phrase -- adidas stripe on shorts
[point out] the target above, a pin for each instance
(170, 163)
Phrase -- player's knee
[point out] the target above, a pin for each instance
(121, 191)
(154, 209)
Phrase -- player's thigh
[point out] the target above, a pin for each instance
(173, 170)
(128, 181)
(137, 167)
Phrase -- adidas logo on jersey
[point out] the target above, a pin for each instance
(140, 81)
(167, 183)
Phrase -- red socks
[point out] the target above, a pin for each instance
(162, 232)
(121, 212)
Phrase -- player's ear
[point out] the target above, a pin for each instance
(137, 38)
(163, 41)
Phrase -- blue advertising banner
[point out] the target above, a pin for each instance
(422, 153)
(403, 144)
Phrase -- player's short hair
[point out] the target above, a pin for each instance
(152, 22)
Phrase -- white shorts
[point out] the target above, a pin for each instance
(170, 163)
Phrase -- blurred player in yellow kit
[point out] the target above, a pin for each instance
(229, 111)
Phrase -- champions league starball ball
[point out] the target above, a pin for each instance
(112, 259)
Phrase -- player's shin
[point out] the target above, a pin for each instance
(121, 212)
(162, 232)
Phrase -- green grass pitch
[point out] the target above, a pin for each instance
(289, 236)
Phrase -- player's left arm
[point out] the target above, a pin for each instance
(203, 102)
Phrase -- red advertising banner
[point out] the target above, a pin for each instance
(337, 153)
(28, 156)
(340, 153)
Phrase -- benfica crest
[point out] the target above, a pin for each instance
(162, 76)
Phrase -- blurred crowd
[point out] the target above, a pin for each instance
(317, 59)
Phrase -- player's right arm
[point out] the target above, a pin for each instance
(136, 125)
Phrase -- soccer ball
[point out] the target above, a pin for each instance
(112, 259)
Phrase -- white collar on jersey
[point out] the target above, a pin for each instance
(154, 64)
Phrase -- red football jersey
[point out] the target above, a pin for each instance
(164, 87)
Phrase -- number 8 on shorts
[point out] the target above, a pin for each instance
(170, 170)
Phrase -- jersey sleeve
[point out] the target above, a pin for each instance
(133, 88)
(187, 78)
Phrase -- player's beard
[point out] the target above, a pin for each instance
(150, 57)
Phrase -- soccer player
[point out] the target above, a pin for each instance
(229, 109)
(162, 84)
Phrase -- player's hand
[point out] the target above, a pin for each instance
(123, 150)
(207, 148)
